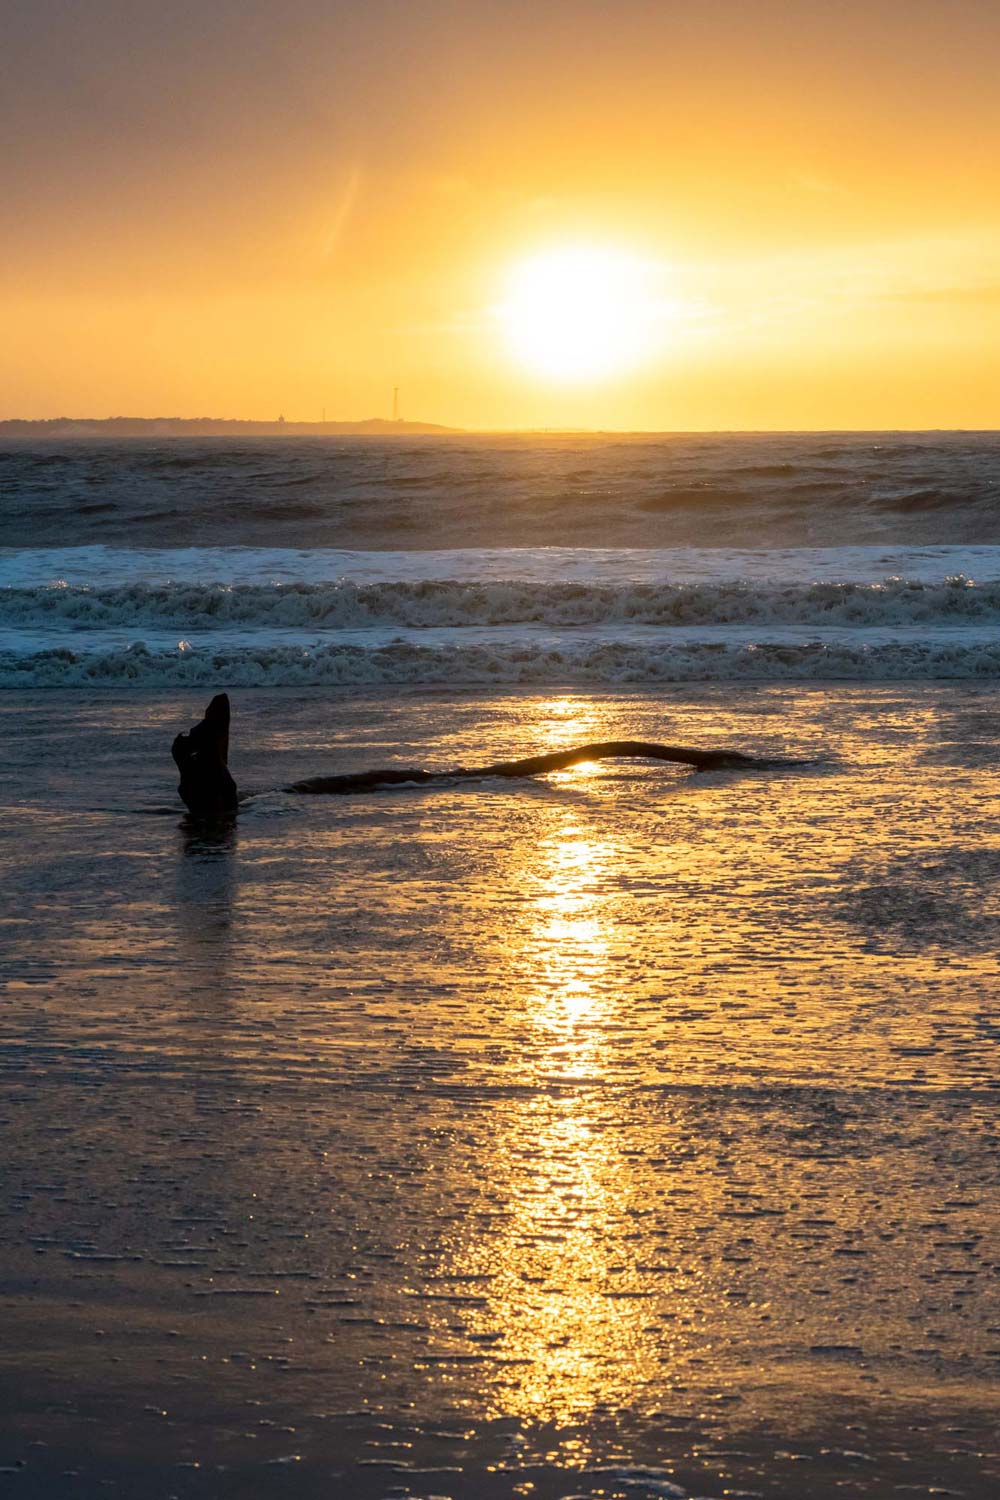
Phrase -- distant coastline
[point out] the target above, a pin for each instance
(63, 427)
(167, 427)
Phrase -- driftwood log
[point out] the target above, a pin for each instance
(209, 791)
(534, 765)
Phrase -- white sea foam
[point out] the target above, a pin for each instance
(447, 602)
(528, 655)
(276, 617)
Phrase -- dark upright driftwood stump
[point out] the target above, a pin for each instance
(206, 786)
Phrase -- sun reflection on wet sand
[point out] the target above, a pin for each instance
(556, 1313)
(551, 1264)
(568, 945)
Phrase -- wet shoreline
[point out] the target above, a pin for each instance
(628, 1130)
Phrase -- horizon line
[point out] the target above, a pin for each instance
(417, 427)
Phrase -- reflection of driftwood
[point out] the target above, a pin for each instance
(209, 790)
(535, 765)
(206, 787)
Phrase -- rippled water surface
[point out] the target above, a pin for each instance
(628, 1133)
(504, 490)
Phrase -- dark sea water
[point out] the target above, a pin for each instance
(627, 1133)
(614, 490)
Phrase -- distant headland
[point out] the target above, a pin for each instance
(71, 427)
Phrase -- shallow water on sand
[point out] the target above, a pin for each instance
(626, 1133)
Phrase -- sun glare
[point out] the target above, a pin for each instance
(581, 313)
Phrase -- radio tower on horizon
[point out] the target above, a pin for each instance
(395, 404)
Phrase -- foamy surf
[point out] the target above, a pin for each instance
(344, 604)
(540, 657)
(277, 617)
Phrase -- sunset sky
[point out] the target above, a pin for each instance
(245, 209)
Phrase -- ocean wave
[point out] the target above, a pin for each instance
(414, 604)
(523, 662)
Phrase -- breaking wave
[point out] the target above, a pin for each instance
(454, 603)
(513, 661)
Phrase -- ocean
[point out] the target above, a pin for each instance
(628, 1132)
(592, 561)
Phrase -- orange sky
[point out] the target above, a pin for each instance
(245, 208)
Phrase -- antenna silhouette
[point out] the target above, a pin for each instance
(395, 404)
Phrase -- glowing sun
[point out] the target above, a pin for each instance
(579, 313)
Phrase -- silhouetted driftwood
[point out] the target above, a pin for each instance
(209, 790)
(534, 765)
(206, 786)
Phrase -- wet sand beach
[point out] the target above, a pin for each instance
(628, 1133)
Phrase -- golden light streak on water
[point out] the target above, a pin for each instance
(557, 1305)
